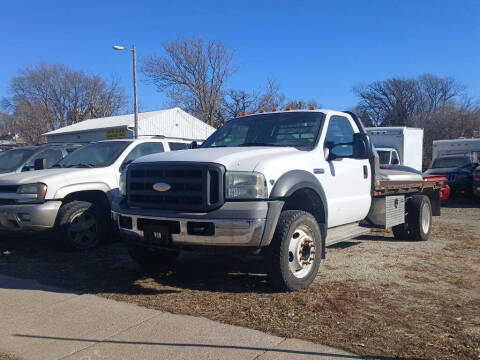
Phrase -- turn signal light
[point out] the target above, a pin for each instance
(288, 108)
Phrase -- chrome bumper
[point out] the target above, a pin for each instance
(29, 217)
(227, 232)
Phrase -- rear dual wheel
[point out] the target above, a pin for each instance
(418, 224)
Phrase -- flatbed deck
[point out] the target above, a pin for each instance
(383, 188)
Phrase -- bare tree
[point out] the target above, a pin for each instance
(437, 105)
(48, 96)
(406, 102)
(237, 102)
(299, 104)
(271, 96)
(193, 73)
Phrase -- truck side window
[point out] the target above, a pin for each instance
(340, 131)
(143, 150)
(177, 146)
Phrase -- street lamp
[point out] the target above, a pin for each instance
(135, 103)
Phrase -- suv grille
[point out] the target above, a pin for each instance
(193, 186)
(7, 189)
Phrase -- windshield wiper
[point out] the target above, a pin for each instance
(263, 144)
(81, 165)
(57, 166)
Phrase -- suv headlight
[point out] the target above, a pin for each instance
(245, 185)
(29, 193)
(122, 183)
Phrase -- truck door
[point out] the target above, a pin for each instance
(348, 180)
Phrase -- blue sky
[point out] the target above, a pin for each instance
(314, 49)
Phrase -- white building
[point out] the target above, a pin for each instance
(169, 123)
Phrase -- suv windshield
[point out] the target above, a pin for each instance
(451, 162)
(99, 154)
(296, 129)
(12, 159)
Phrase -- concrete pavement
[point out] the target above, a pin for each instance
(41, 322)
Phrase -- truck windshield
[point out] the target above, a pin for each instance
(384, 157)
(99, 154)
(451, 162)
(296, 129)
(12, 159)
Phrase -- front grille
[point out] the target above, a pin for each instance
(8, 188)
(451, 177)
(193, 186)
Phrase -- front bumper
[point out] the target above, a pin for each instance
(241, 224)
(29, 217)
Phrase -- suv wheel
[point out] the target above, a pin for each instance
(82, 225)
(293, 257)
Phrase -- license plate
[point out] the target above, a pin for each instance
(157, 234)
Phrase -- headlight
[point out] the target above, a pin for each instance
(122, 184)
(245, 185)
(31, 193)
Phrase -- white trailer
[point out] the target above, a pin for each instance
(469, 147)
(408, 143)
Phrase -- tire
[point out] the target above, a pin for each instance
(400, 232)
(419, 217)
(81, 225)
(152, 259)
(293, 257)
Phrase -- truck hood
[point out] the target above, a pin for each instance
(50, 175)
(444, 171)
(233, 158)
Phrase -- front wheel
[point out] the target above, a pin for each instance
(293, 257)
(82, 225)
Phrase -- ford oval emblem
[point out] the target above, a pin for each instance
(161, 186)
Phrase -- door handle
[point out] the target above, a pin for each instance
(365, 172)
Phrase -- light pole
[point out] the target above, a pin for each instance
(135, 103)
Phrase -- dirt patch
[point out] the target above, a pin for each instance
(375, 296)
(4, 356)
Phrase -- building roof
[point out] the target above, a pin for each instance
(171, 123)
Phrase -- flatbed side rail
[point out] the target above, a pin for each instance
(428, 188)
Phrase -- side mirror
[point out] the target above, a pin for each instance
(40, 164)
(362, 148)
(193, 145)
(395, 162)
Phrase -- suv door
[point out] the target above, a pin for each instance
(348, 179)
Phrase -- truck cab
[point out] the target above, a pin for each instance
(388, 156)
(283, 184)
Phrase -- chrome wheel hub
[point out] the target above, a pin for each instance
(83, 230)
(301, 252)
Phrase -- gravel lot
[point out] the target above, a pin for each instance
(373, 296)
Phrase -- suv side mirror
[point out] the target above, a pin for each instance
(193, 145)
(395, 161)
(40, 164)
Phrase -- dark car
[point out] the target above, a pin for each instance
(476, 182)
(457, 169)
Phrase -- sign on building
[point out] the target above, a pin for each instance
(119, 133)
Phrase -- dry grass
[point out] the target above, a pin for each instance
(430, 311)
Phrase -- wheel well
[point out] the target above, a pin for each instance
(97, 197)
(307, 200)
